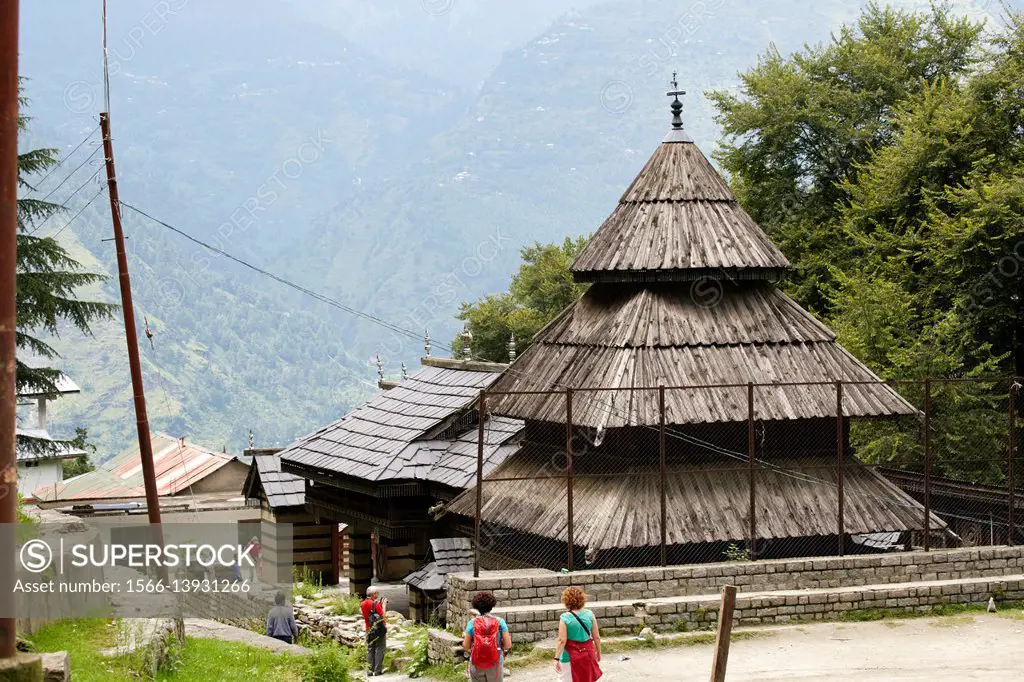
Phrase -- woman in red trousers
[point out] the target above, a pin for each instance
(578, 651)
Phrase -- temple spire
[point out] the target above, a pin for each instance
(676, 134)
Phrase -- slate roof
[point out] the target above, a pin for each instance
(450, 555)
(178, 465)
(279, 488)
(419, 430)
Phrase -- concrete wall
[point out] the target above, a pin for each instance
(44, 474)
(228, 479)
(770, 591)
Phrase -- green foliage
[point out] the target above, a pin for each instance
(48, 280)
(83, 463)
(419, 660)
(541, 289)
(736, 553)
(306, 583)
(347, 604)
(326, 664)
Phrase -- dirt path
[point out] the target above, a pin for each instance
(974, 647)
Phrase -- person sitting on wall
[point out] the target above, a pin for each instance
(281, 621)
(376, 630)
(488, 641)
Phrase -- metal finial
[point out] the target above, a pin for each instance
(677, 106)
(512, 347)
(405, 372)
(380, 368)
(252, 440)
(426, 342)
(467, 343)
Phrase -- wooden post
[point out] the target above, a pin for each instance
(1011, 478)
(481, 413)
(927, 464)
(724, 633)
(664, 476)
(8, 267)
(568, 474)
(751, 469)
(841, 464)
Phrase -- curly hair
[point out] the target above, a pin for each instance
(573, 598)
(483, 602)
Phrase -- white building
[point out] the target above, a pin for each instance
(42, 466)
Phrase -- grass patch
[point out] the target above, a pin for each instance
(446, 672)
(868, 615)
(200, 659)
(346, 605)
(952, 621)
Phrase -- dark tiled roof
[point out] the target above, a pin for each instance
(450, 555)
(420, 429)
(280, 489)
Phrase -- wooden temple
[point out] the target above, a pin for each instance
(382, 468)
(683, 293)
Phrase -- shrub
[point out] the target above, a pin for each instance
(326, 664)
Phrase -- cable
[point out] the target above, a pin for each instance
(298, 287)
(50, 194)
(94, 197)
(66, 157)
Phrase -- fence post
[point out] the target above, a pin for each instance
(481, 414)
(751, 470)
(664, 475)
(927, 464)
(1011, 521)
(568, 473)
(840, 442)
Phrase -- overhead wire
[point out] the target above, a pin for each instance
(80, 211)
(70, 175)
(65, 159)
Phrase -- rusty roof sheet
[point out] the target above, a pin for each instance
(178, 465)
(678, 215)
(706, 502)
(413, 431)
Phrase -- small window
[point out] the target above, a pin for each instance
(31, 463)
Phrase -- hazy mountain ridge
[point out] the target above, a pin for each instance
(430, 181)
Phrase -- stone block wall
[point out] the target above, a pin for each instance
(444, 647)
(661, 596)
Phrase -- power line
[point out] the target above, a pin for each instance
(87, 205)
(298, 287)
(67, 156)
(50, 194)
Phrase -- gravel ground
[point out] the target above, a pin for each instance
(966, 647)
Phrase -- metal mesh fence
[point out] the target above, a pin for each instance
(679, 475)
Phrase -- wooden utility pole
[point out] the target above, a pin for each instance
(141, 419)
(8, 267)
(724, 633)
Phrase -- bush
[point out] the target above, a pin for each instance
(347, 605)
(326, 664)
(307, 583)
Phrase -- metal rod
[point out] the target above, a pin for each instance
(568, 474)
(927, 464)
(481, 412)
(664, 476)
(840, 455)
(138, 392)
(752, 471)
(1011, 530)
(8, 307)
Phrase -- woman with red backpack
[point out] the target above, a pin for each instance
(578, 650)
(487, 640)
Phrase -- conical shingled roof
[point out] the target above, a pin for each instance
(684, 295)
(678, 221)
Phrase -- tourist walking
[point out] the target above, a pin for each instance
(487, 640)
(578, 650)
(373, 609)
(281, 621)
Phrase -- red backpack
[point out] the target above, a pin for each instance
(485, 643)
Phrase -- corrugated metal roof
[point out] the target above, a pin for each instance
(706, 502)
(401, 434)
(280, 489)
(178, 465)
(63, 382)
(57, 449)
(677, 215)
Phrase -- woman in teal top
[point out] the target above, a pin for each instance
(578, 625)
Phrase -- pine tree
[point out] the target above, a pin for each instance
(48, 278)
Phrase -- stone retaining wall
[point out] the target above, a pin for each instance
(517, 590)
